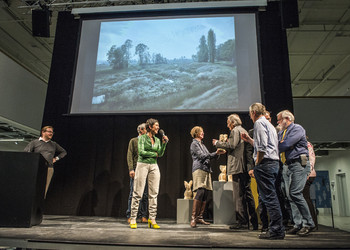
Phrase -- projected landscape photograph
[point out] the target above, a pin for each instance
(168, 64)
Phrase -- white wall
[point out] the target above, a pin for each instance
(336, 162)
(324, 119)
(22, 95)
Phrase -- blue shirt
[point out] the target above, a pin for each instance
(200, 156)
(265, 139)
(294, 142)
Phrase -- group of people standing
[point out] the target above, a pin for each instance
(261, 153)
(266, 155)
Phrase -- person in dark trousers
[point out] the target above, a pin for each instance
(266, 168)
(236, 166)
(309, 181)
(132, 157)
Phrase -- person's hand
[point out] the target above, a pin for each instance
(214, 142)
(165, 139)
(245, 137)
(220, 151)
(132, 174)
(54, 160)
(251, 173)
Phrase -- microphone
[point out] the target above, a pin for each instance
(162, 134)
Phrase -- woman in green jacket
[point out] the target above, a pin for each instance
(149, 149)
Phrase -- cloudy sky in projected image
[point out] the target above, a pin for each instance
(173, 38)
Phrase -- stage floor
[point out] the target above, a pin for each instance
(73, 232)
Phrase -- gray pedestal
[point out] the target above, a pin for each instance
(224, 205)
(184, 211)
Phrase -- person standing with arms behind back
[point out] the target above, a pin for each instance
(149, 148)
(50, 150)
(132, 157)
(201, 174)
(266, 168)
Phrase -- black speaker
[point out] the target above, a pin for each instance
(23, 180)
(289, 13)
(41, 23)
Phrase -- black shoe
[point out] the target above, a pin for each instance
(269, 236)
(238, 225)
(264, 230)
(303, 232)
(293, 230)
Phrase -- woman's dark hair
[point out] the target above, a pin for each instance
(149, 123)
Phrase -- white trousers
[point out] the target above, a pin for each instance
(48, 179)
(151, 173)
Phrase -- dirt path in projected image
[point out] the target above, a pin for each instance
(211, 96)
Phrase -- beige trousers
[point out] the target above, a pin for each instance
(48, 179)
(145, 172)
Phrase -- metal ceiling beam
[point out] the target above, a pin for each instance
(172, 5)
(328, 74)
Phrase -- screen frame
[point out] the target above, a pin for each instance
(172, 13)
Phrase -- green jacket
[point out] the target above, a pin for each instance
(147, 152)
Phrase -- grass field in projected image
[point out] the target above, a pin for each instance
(175, 86)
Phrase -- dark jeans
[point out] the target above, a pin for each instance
(283, 200)
(306, 194)
(263, 213)
(265, 174)
(143, 211)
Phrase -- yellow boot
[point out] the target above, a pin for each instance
(151, 225)
(133, 224)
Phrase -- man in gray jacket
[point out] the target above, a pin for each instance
(234, 147)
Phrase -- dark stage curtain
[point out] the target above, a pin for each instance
(93, 179)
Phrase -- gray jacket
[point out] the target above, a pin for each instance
(235, 150)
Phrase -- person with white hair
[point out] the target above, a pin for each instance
(236, 166)
(295, 154)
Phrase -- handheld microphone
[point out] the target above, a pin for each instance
(162, 134)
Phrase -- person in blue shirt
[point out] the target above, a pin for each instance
(265, 143)
(294, 153)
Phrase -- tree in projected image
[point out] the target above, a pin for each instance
(226, 51)
(211, 45)
(142, 51)
(202, 54)
(119, 57)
